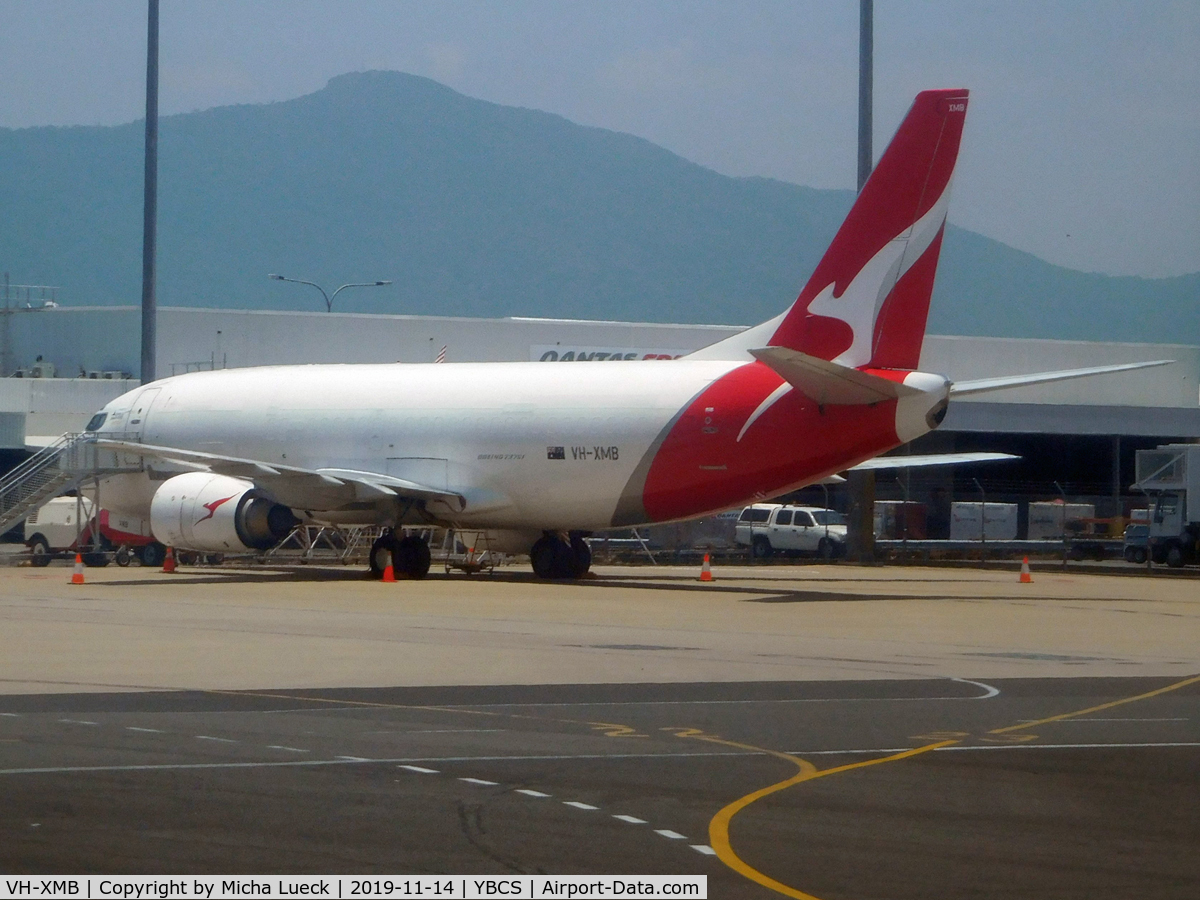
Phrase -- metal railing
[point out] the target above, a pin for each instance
(69, 462)
(39, 478)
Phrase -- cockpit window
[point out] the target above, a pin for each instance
(96, 421)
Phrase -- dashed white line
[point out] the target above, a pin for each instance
(263, 764)
(77, 722)
(530, 793)
(209, 737)
(147, 730)
(420, 769)
(479, 781)
(670, 835)
(578, 805)
(355, 758)
(632, 820)
(11, 715)
(703, 848)
(280, 747)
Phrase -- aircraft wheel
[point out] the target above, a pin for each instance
(542, 555)
(552, 557)
(123, 556)
(39, 552)
(153, 554)
(412, 557)
(381, 554)
(581, 557)
(761, 548)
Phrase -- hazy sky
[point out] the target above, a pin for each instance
(1082, 144)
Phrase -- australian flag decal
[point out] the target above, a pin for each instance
(556, 453)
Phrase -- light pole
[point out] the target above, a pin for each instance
(329, 297)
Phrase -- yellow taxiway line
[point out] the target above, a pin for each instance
(718, 828)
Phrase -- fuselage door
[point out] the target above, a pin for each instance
(135, 421)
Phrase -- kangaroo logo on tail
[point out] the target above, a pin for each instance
(868, 299)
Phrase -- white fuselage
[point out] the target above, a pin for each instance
(484, 430)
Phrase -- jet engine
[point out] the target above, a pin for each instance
(203, 511)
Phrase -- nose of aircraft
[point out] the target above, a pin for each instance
(918, 414)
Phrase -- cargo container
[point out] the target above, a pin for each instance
(983, 521)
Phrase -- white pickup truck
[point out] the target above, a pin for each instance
(768, 528)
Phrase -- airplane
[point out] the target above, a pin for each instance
(539, 456)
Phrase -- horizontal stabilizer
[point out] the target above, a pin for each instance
(930, 459)
(983, 385)
(829, 382)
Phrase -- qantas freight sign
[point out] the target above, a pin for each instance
(540, 456)
(556, 353)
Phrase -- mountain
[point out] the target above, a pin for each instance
(473, 208)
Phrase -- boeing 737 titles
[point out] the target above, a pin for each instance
(540, 456)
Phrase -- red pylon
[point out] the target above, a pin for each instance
(77, 577)
(1025, 578)
(389, 571)
(169, 561)
(706, 570)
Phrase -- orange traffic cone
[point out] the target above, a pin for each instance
(77, 577)
(1025, 578)
(706, 570)
(389, 571)
(169, 561)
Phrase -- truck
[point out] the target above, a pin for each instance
(768, 528)
(1169, 476)
(54, 529)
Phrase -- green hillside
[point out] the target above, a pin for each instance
(472, 208)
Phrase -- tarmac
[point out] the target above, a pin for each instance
(811, 731)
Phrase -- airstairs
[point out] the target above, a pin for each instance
(68, 463)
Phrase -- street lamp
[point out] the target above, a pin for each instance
(329, 297)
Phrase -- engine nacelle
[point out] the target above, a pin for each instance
(202, 511)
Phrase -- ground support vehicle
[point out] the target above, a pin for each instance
(468, 551)
(131, 539)
(1170, 477)
(768, 528)
(1137, 537)
(60, 527)
(54, 530)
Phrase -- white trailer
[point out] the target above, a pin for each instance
(1170, 477)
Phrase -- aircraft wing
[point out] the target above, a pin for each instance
(828, 382)
(299, 488)
(930, 459)
(982, 385)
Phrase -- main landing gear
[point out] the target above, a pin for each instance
(554, 557)
(409, 555)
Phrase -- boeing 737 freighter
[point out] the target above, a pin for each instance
(540, 456)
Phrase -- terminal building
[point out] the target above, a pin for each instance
(1076, 440)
